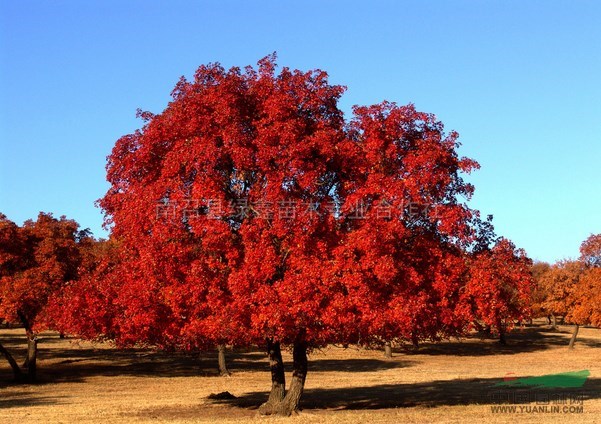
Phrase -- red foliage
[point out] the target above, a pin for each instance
(250, 210)
(86, 306)
(500, 286)
(36, 261)
(590, 251)
(228, 140)
(402, 263)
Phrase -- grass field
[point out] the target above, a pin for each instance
(453, 381)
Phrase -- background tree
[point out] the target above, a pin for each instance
(585, 297)
(559, 288)
(590, 251)
(87, 307)
(499, 287)
(570, 288)
(539, 295)
(12, 248)
(37, 261)
(584, 300)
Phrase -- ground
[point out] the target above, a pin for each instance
(452, 381)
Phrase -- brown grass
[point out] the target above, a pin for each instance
(450, 382)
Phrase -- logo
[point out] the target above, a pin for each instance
(573, 379)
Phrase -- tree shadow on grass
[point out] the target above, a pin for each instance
(13, 341)
(356, 365)
(427, 394)
(529, 339)
(79, 365)
(68, 361)
(20, 400)
(61, 360)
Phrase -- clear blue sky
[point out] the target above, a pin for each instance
(519, 80)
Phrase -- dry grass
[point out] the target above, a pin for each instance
(81, 382)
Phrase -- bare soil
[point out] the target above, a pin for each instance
(450, 382)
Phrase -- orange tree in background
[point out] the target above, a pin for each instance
(556, 286)
(539, 294)
(586, 295)
(571, 289)
(585, 300)
(590, 251)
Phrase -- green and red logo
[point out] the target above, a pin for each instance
(571, 379)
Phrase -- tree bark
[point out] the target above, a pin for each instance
(13, 364)
(501, 328)
(30, 363)
(553, 322)
(32, 355)
(387, 350)
(278, 378)
(414, 341)
(291, 401)
(223, 371)
(574, 335)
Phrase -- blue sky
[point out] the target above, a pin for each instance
(519, 81)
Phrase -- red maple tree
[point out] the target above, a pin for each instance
(36, 261)
(499, 287)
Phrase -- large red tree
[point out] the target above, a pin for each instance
(249, 211)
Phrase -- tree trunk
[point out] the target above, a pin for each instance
(32, 355)
(13, 364)
(32, 348)
(223, 371)
(553, 322)
(278, 379)
(574, 335)
(387, 350)
(414, 341)
(291, 401)
(501, 328)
